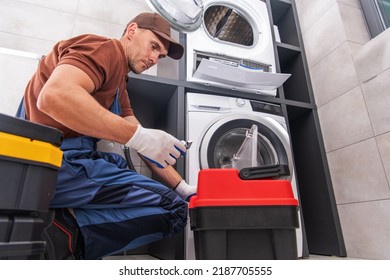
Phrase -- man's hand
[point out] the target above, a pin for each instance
(185, 191)
(157, 146)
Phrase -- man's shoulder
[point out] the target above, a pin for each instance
(91, 38)
(91, 44)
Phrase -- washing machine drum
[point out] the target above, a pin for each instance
(223, 139)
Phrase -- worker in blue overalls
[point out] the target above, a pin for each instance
(101, 206)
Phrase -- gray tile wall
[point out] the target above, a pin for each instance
(350, 78)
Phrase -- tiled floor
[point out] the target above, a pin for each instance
(320, 257)
(131, 257)
(148, 257)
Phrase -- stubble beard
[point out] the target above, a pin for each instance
(133, 68)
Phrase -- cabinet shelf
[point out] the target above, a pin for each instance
(152, 91)
(288, 47)
(291, 61)
(154, 79)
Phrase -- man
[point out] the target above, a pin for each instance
(80, 88)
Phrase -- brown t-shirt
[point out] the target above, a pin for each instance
(102, 59)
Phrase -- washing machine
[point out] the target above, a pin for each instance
(228, 43)
(219, 126)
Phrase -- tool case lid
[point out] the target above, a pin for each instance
(224, 187)
(27, 129)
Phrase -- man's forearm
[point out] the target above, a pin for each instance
(168, 175)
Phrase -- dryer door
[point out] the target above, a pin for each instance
(184, 15)
(223, 139)
(224, 22)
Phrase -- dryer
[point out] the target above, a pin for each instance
(218, 126)
(228, 43)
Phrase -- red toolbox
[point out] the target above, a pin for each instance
(234, 218)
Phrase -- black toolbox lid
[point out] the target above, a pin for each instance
(27, 129)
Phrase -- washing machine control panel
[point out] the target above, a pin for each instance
(240, 104)
(266, 108)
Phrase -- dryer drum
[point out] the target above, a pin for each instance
(225, 24)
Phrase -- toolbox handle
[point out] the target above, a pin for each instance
(267, 171)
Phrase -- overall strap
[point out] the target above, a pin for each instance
(21, 112)
(79, 143)
(116, 106)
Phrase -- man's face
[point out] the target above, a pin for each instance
(145, 49)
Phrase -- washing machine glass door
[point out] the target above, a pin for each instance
(223, 140)
(184, 15)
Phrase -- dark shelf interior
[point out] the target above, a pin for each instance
(291, 61)
(279, 9)
(322, 226)
(283, 17)
(151, 100)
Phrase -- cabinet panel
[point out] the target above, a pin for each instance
(323, 229)
(320, 214)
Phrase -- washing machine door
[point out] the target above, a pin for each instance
(184, 15)
(224, 137)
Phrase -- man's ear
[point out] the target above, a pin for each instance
(131, 29)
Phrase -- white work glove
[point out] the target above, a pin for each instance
(185, 191)
(157, 146)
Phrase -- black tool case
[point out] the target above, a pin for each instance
(30, 158)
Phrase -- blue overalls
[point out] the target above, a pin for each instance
(116, 208)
